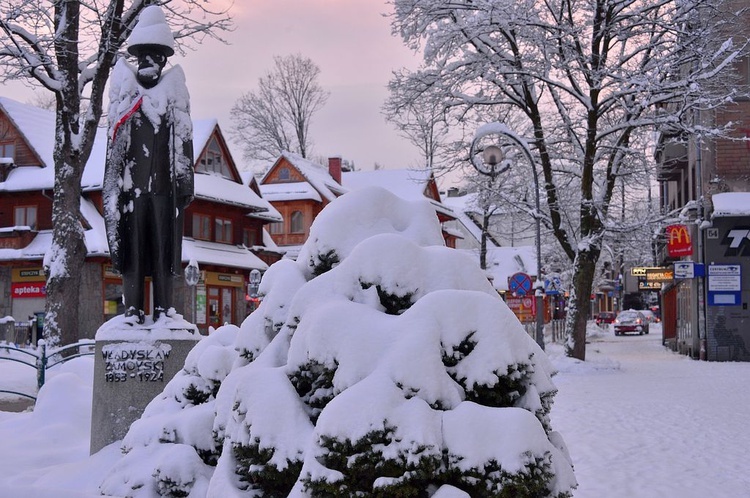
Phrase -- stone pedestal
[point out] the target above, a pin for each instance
(133, 364)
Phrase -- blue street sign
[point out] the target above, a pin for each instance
(552, 286)
(724, 285)
(519, 283)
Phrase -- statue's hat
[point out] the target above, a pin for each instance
(151, 31)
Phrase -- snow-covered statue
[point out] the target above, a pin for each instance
(148, 179)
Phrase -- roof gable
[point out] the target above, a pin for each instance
(30, 128)
(211, 153)
(302, 170)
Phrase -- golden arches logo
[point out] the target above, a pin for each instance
(678, 241)
(678, 235)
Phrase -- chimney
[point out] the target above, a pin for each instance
(334, 168)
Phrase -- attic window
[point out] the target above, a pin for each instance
(284, 173)
(213, 161)
(8, 151)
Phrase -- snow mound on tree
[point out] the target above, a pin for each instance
(381, 363)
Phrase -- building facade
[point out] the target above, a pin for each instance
(224, 234)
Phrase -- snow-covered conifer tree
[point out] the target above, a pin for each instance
(380, 363)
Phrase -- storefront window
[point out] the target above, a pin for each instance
(113, 305)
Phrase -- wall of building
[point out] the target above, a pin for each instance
(728, 327)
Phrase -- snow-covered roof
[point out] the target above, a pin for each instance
(409, 184)
(219, 189)
(317, 175)
(213, 253)
(38, 128)
(462, 206)
(278, 192)
(95, 239)
(502, 262)
(731, 204)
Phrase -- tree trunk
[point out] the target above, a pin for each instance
(584, 268)
(64, 263)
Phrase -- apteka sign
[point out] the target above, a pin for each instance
(28, 289)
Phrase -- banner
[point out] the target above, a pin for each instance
(29, 289)
(678, 241)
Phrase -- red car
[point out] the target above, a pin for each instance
(631, 321)
(605, 317)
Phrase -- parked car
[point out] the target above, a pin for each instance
(605, 317)
(650, 316)
(631, 321)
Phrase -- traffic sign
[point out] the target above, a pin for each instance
(552, 286)
(520, 283)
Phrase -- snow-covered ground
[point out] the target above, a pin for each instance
(642, 421)
(638, 420)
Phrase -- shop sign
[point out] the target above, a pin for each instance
(659, 275)
(724, 285)
(645, 285)
(28, 275)
(688, 269)
(678, 241)
(28, 290)
(224, 279)
(737, 241)
(523, 307)
(640, 271)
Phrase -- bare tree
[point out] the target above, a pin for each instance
(590, 77)
(69, 47)
(277, 117)
(423, 123)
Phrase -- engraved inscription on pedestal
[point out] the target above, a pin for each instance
(132, 367)
(135, 362)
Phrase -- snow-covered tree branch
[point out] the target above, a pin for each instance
(69, 47)
(590, 77)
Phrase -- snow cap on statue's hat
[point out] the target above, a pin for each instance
(151, 31)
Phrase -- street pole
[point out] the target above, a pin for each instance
(492, 158)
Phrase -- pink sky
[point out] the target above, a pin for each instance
(351, 42)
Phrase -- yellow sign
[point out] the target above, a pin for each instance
(224, 279)
(28, 275)
(640, 271)
(659, 275)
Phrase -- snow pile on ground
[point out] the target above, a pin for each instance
(380, 363)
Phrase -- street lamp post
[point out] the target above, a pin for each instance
(494, 157)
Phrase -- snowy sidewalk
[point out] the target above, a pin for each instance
(641, 421)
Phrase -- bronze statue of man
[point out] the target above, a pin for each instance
(148, 178)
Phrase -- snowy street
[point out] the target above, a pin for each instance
(642, 421)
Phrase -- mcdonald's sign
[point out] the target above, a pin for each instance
(678, 241)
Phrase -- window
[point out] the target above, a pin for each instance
(284, 173)
(25, 216)
(213, 160)
(276, 228)
(202, 226)
(223, 230)
(298, 222)
(8, 150)
(249, 237)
